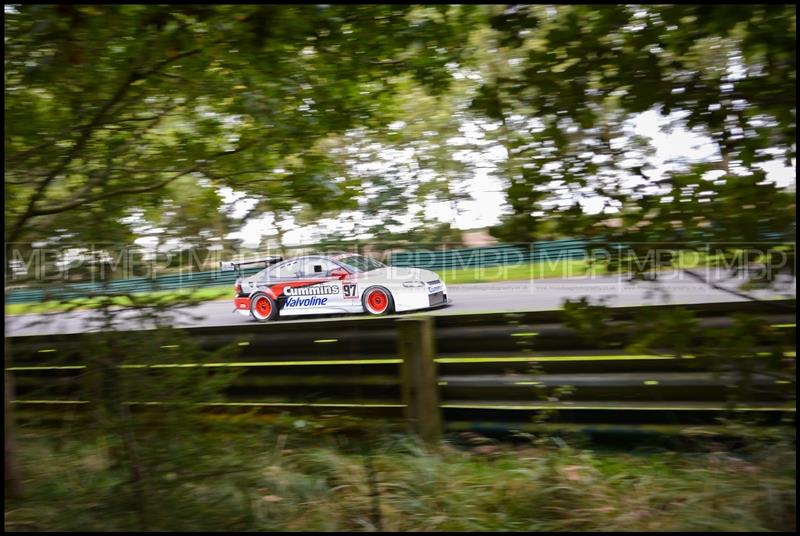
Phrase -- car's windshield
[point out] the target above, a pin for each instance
(361, 264)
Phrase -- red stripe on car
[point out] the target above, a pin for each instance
(278, 288)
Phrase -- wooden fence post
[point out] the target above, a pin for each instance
(419, 378)
(13, 465)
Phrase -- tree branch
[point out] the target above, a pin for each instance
(134, 190)
(771, 303)
(122, 191)
(387, 62)
(153, 118)
(46, 143)
(248, 172)
(86, 132)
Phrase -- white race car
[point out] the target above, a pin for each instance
(335, 283)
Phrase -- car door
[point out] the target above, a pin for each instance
(281, 278)
(301, 287)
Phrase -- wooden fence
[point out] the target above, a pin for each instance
(482, 372)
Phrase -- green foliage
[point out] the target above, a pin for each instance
(325, 487)
(108, 107)
(152, 440)
(151, 419)
(592, 322)
(144, 112)
(727, 72)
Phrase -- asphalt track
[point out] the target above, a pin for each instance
(542, 294)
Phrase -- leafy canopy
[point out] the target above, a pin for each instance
(112, 107)
(583, 72)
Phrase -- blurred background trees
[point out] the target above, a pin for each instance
(120, 113)
(375, 121)
(584, 73)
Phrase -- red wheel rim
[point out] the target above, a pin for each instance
(378, 301)
(263, 307)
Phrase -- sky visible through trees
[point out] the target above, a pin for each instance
(182, 126)
(487, 204)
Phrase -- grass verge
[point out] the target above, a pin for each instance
(162, 297)
(274, 482)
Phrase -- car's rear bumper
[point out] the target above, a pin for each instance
(241, 305)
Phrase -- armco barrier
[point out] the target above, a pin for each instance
(457, 372)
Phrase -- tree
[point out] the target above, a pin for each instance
(727, 72)
(394, 169)
(106, 103)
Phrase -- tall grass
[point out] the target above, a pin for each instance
(283, 483)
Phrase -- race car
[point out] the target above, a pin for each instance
(335, 283)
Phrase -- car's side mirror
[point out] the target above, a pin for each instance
(341, 273)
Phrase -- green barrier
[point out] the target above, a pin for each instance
(477, 257)
(136, 285)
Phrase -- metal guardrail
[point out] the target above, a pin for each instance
(454, 372)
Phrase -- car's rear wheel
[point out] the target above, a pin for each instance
(262, 307)
(377, 301)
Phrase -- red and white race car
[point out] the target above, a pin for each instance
(335, 283)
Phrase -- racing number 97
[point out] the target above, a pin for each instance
(349, 290)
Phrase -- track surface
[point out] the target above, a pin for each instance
(474, 298)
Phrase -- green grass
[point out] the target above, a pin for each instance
(161, 297)
(555, 269)
(518, 272)
(281, 482)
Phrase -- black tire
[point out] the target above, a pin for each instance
(375, 297)
(262, 307)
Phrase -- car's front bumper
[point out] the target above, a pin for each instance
(412, 301)
(447, 303)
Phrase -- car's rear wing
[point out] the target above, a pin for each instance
(231, 266)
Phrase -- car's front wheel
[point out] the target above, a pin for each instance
(263, 307)
(377, 301)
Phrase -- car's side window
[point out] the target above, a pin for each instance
(286, 270)
(316, 267)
